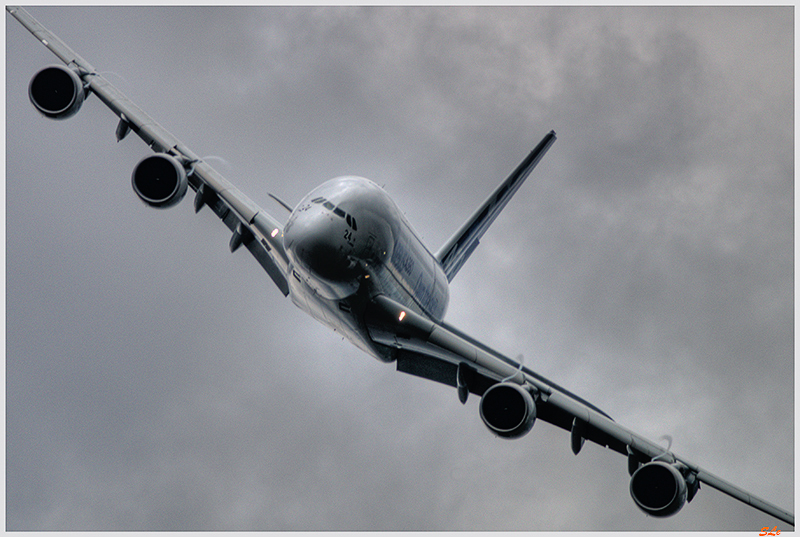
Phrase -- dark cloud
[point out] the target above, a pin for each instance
(155, 381)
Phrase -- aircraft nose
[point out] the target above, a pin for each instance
(316, 242)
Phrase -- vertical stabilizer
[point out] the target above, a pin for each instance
(461, 245)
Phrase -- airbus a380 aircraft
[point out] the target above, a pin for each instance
(348, 257)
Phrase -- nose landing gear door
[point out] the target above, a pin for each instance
(370, 248)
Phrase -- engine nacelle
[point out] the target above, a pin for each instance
(659, 489)
(508, 410)
(159, 180)
(57, 92)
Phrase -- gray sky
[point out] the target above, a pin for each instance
(155, 381)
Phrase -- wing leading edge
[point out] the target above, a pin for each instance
(259, 232)
(438, 351)
(460, 246)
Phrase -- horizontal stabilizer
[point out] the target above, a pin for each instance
(461, 245)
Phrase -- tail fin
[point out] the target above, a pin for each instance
(461, 245)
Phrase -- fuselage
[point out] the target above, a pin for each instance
(348, 242)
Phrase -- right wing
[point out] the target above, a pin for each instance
(259, 232)
(442, 353)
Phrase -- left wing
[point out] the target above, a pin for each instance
(58, 97)
(660, 481)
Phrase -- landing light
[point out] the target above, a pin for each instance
(274, 232)
(402, 316)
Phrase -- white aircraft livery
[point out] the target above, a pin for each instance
(348, 257)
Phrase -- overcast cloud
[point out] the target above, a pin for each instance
(155, 381)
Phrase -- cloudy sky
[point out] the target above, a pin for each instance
(155, 381)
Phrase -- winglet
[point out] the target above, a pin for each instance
(461, 245)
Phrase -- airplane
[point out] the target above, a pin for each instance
(348, 257)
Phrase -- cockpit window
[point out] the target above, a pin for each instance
(351, 221)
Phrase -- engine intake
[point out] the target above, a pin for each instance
(159, 180)
(659, 489)
(508, 410)
(57, 92)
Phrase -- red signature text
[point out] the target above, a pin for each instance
(765, 531)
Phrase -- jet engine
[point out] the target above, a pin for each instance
(508, 410)
(159, 180)
(659, 489)
(57, 92)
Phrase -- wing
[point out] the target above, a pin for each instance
(259, 232)
(460, 246)
(442, 353)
